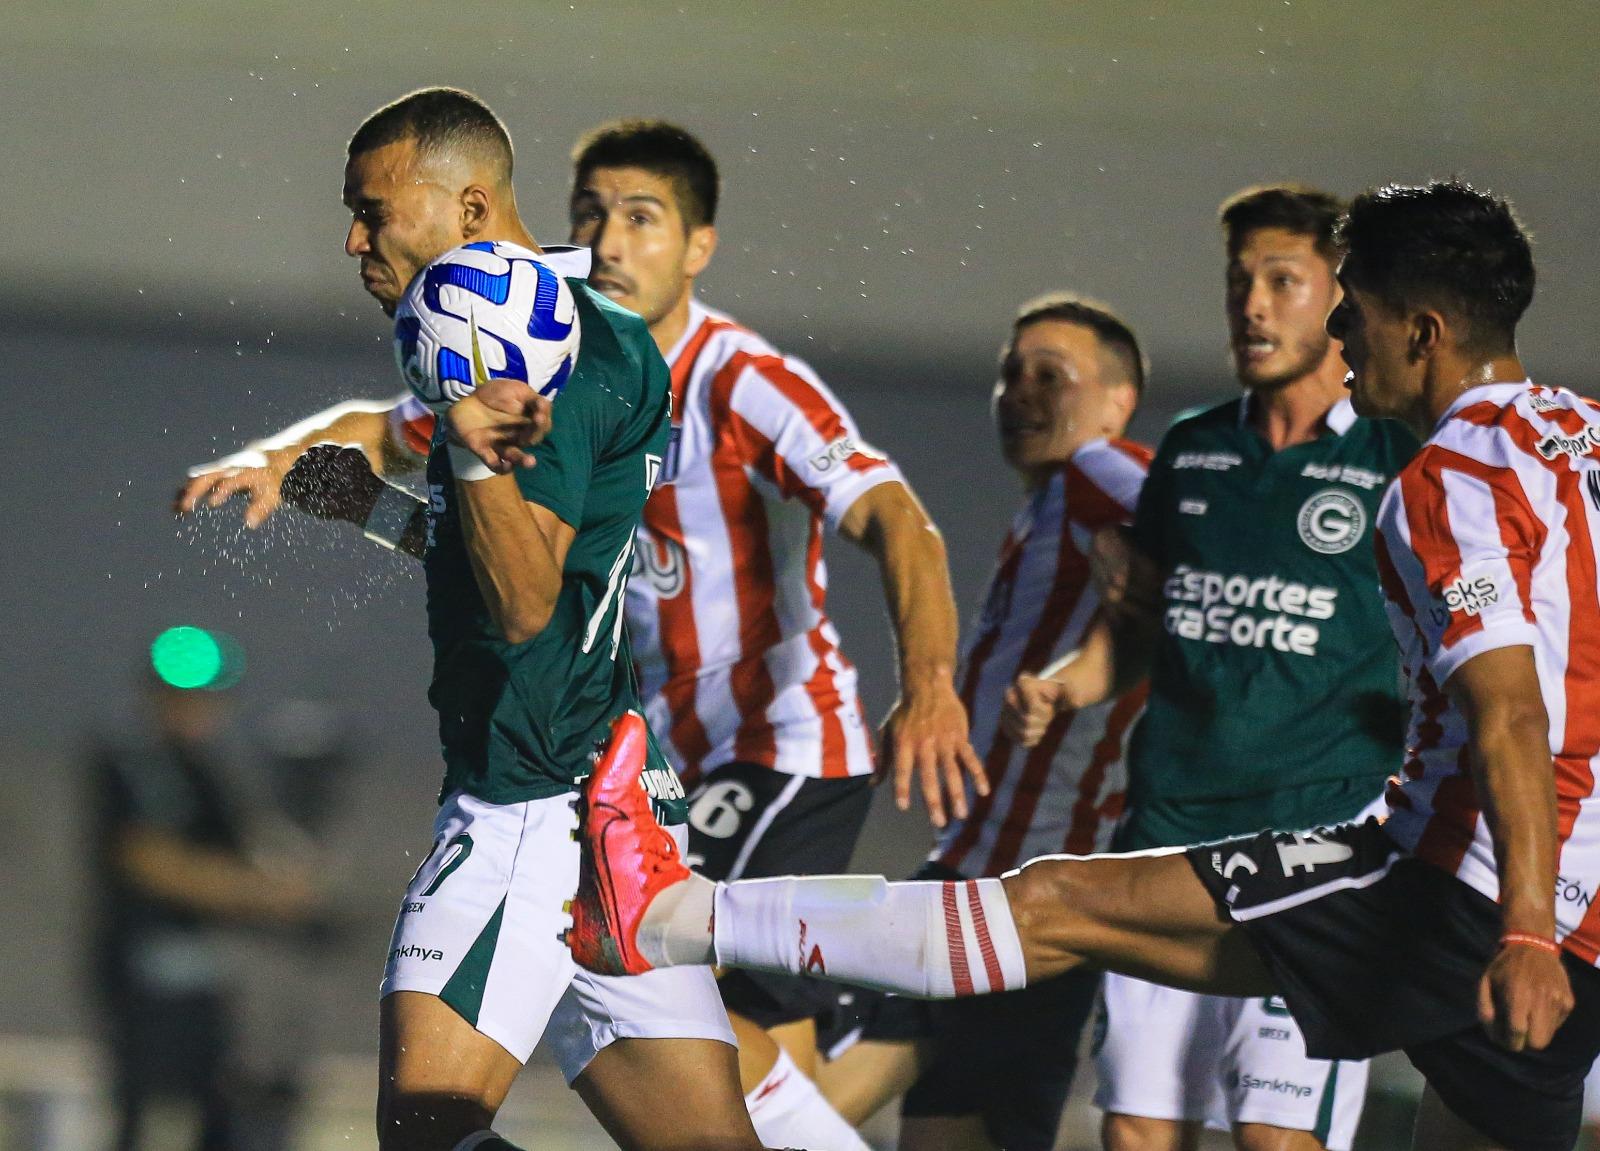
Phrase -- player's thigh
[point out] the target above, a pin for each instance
(1271, 1086)
(1144, 914)
(480, 922)
(866, 1076)
(1155, 1056)
(1137, 1133)
(1007, 1060)
(668, 1095)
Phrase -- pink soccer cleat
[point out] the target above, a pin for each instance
(627, 857)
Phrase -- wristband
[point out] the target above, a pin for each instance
(466, 465)
(1528, 939)
(390, 516)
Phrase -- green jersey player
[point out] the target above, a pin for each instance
(526, 552)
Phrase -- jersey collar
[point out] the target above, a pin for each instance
(698, 314)
(1339, 420)
(1501, 393)
(567, 260)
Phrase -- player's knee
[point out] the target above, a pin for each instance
(411, 1122)
(1260, 1137)
(1047, 896)
(1137, 1133)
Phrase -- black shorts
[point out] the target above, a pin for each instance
(746, 822)
(1377, 951)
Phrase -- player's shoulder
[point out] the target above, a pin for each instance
(1103, 478)
(723, 350)
(1203, 428)
(1508, 425)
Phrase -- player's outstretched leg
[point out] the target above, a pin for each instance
(1146, 915)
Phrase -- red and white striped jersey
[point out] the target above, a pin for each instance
(1489, 539)
(726, 602)
(1065, 793)
(726, 610)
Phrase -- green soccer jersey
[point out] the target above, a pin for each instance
(1275, 696)
(521, 721)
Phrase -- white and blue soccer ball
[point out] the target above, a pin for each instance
(480, 312)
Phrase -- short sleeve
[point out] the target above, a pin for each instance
(411, 426)
(792, 430)
(583, 420)
(1462, 537)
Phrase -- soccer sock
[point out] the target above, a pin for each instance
(789, 1111)
(676, 928)
(485, 1141)
(931, 940)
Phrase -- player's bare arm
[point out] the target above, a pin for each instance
(259, 468)
(1525, 994)
(925, 736)
(1116, 651)
(517, 547)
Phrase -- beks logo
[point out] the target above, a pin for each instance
(1582, 444)
(1471, 596)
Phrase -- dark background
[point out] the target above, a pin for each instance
(897, 179)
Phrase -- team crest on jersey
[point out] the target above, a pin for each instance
(1331, 521)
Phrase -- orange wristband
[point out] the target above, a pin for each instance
(1528, 939)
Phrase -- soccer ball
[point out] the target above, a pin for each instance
(480, 312)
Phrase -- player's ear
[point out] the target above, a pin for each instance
(1427, 335)
(702, 244)
(1123, 398)
(477, 206)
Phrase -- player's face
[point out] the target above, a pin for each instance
(1052, 396)
(1280, 290)
(400, 220)
(645, 256)
(1384, 378)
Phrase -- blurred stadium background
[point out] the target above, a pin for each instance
(897, 179)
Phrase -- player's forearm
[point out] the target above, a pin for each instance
(915, 571)
(202, 880)
(517, 568)
(1516, 785)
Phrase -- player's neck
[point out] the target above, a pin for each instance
(511, 231)
(1295, 413)
(669, 329)
(1446, 386)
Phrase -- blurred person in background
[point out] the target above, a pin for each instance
(995, 1071)
(171, 869)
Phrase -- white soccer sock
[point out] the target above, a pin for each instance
(789, 1111)
(928, 939)
(676, 928)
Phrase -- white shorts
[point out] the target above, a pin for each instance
(480, 928)
(1168, 1054)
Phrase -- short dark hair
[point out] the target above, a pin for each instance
(1109, 328)
(441, 120)
(1296, 208)
(1443, 245)
(657, 146)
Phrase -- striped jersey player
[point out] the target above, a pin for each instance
(1489, 539)
(1065, 793)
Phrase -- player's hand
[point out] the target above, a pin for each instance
(1030, 706)
(925, 739)
(332, 482)
(1524, 997)
(211, 485)
(499, 421)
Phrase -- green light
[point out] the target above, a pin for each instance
(190, 657)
